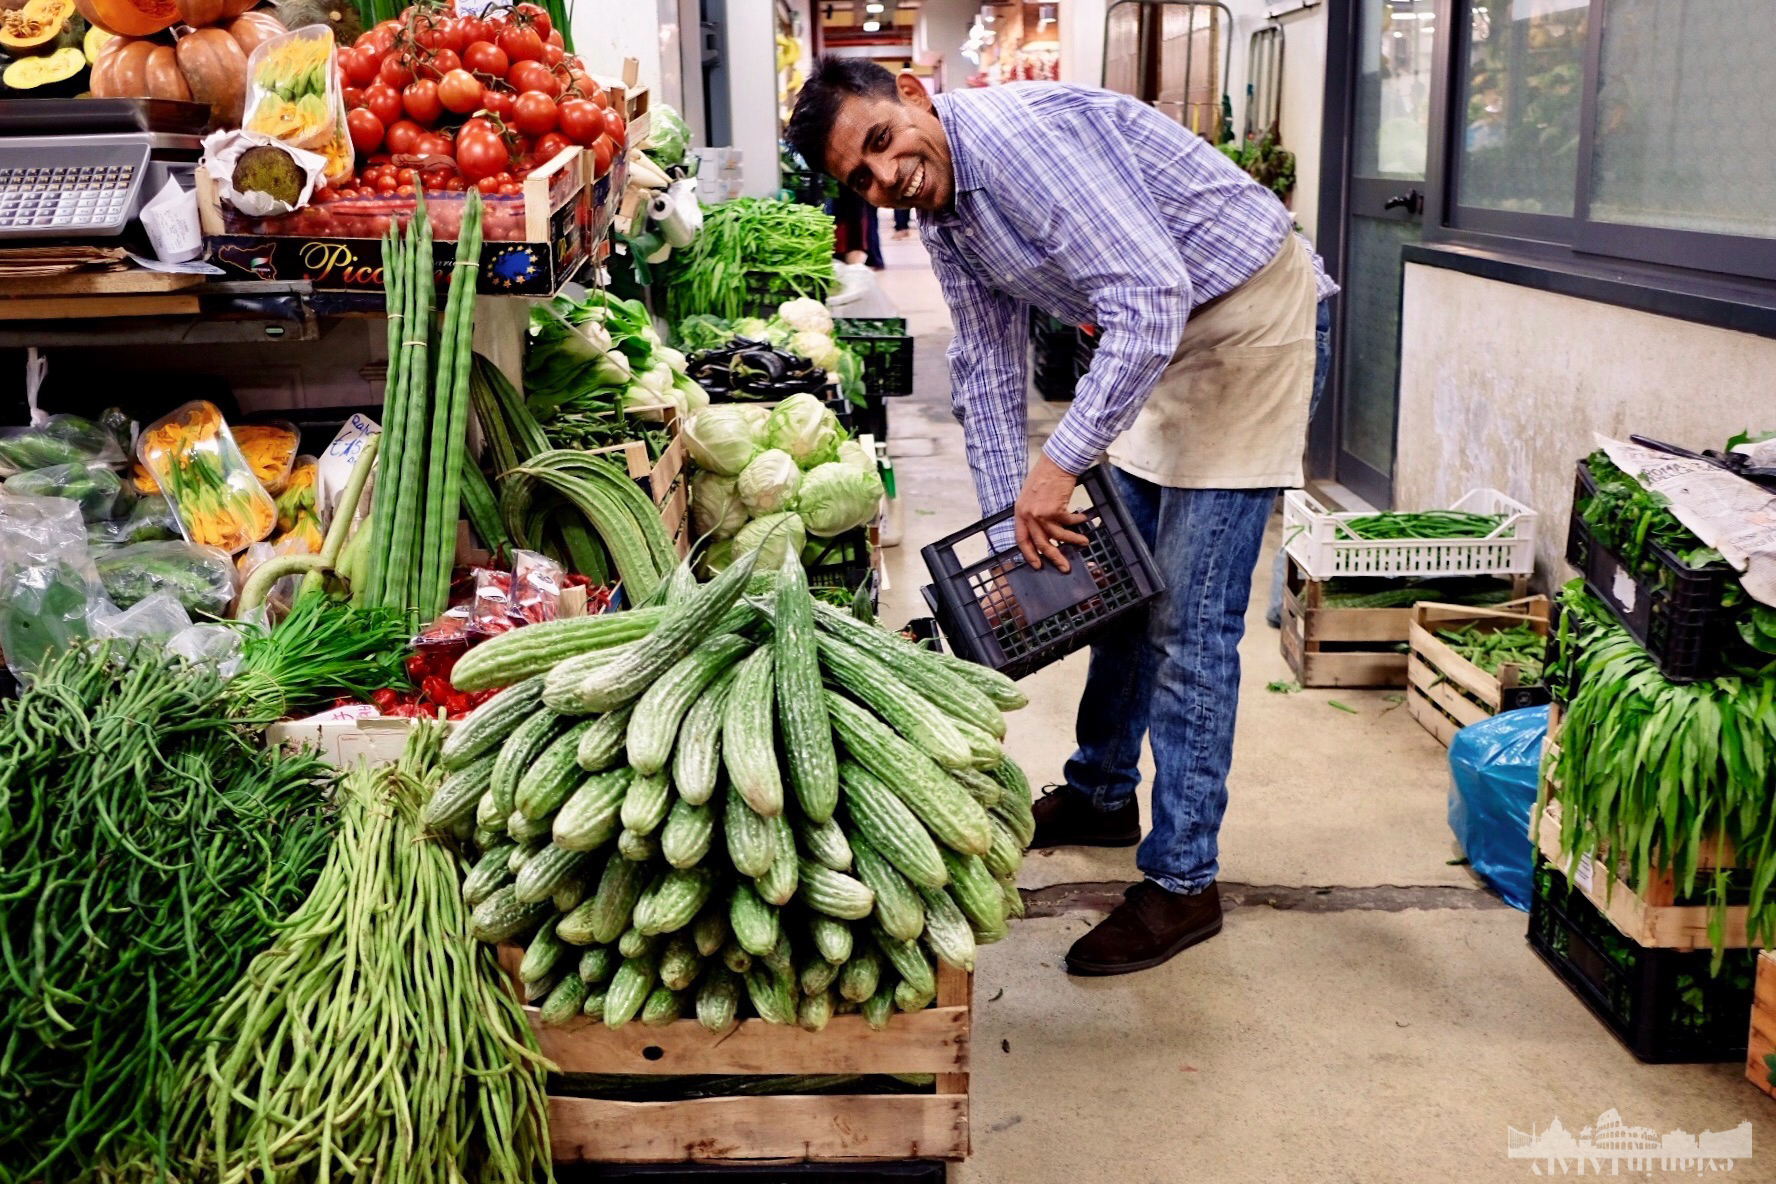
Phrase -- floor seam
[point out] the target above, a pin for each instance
(1055, 900)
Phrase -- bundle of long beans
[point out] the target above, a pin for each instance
(147, 851)
(744, 246)
(375, 1040)
(425, 419)
(1423, 524)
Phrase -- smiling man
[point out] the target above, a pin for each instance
(1097, 209)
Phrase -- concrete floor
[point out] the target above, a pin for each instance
(1328, 1034)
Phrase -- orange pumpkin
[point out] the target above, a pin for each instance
(216, 70)
(122, 69)
(129, 18)
(163, 77)
(237, 7)
(199, 13)
(250, 30)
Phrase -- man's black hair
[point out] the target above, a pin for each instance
(834, 80)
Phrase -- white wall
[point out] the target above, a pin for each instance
(752, 92)
(606, 33)
(943, 26)
(1503, 386)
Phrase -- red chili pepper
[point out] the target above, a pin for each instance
(436, 688)
(417, 665)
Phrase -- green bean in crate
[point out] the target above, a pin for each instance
(717, 886)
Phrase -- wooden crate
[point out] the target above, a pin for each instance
(791, 1127)
(1444, 691)
(1763, 1024)
(668, 480)
(1650, 917)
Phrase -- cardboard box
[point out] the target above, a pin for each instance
(345, 736)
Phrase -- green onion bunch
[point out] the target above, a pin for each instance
(751, 251)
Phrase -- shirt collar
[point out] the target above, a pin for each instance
(962, 165)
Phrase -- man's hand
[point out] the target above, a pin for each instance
(1042, 516)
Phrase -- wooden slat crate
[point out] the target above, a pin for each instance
(1763, 1024)
(1650, 917)
(792, 1127)
(1444, 691)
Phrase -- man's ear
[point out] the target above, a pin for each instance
(913, 91)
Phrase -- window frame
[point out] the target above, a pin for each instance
(1691, 255)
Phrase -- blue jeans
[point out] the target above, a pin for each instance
(1273, 613)
(1172, 673)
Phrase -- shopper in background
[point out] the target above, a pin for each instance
(1096, 208)
(903, 223)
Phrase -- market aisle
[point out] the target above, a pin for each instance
(1384, 1020)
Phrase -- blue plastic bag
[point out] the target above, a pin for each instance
(1494, 766)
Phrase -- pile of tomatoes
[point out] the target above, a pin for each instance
(441, 102)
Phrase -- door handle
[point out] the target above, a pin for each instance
(1412, 201)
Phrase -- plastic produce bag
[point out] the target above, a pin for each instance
(64, 440)
(270, 448)
(194, 458)
(200, 578)
(1494, 767)
(94, 486)
(294, 96)
(49, 590)
(153, 618)
(151, 519)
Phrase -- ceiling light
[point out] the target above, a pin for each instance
(871, 26)
(872, 8)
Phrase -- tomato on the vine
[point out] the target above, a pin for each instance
(433, 144)
(615, 126)
(397, 70)
(484, 57)
(384, 101)
(459, 92)
(603, 151)
(556, 39)
(480, 150)
(360, 65)
(537, 17)
(553, 55)
(353, 96)
(521, 44)
(499, 102)
(401, 136)
(421, 102)
(532, 75)
(549, 147)
(365, 128)
(595, 94)
(472, 29)
(533, 113)
(439, 63)
(580, 121)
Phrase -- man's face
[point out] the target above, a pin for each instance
(892, 152)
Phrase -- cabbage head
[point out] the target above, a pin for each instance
(853, 453)
(770, 482)
(774, 537)
(837, 497)
(722, 439)
(805, 429)
(716, 508)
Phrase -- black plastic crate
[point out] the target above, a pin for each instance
(882, 345)
(870, 416)
(1677, 615)
(924, 632)
(1055, 355)
(1663, 1005)
(843, 561)
(998, 611)
(897, 1171)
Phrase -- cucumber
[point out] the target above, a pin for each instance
(634, 943)
(561, 686)
(601, 745)
(645, 804)
(593, 1007)
(525, 829)
(889, 826)
(598, 963)
(751, 840)
(488, 819)
(710, 929)
(952, 817)
(1014, 900)
(1005, 856)
(753, 921)
(918, 719)
(520, 749)
(662, 1007)
(545, 872)
(833, 893)
(509, 658)
(637, 848)
(628, 991)
(915, 667)
(878, 1009)
(614, 901)
(458, 795)
(570, 892)
(778, 885)
(748, 749)
(978, 894)
(801, 710)
(815, 1010)
(980, 787)
(688, 833)
(663, 705)
(523, 852)
(947, 933)
(773, 994)
(909, 962)
(679, 963)
(696, 760)
(735, 958)
(503, 915)
(857, 980)
(718, 999)
(489, 874)
(825, 844)
(543, 953)
(908, 999)
(832, 938)
(484, 729)
(673, 903)
(589, 819)
(552, 776)
(1015, 807)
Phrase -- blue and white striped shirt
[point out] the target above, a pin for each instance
(1095, 208)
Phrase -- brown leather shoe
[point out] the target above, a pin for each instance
(1065, 817)
(1146, 929)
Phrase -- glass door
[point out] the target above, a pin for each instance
(1384, 208)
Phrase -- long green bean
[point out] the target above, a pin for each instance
(751, 251)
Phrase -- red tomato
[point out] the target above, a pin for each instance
(403, 191)
(431, 28)
(499, 102)
(484, 57)
(603, 151)
(538, 18)
(365, 128)
(397, 70)
(440, 63)
(383, 101)
(549, 147)
(420, 99)
(386, 184)
(581, 122)
(534, 113)
(354, 97)
(521, 45)
(360, 65)
(615, 127)
(488, 184)
(457, 183)
(511, 189)
(459, 92)
(379, 40)
(553, 55)
(400, 137)
(405, 175)
(556, 39)
(472, 29)
(594, 93)
(432, 144)
(529, 75)
(480, 152)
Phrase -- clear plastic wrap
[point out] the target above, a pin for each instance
(96, 488)
(195, 461)
(64, 440)
(270, 449)
(154, 618)
(200, 578)
(149, 520)
(294, 96)
(49, 590)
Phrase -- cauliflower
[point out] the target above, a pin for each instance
(804, 313)
(817, 348)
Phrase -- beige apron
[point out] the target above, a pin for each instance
(1230, 411)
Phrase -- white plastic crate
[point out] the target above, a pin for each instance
(1318, 540)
